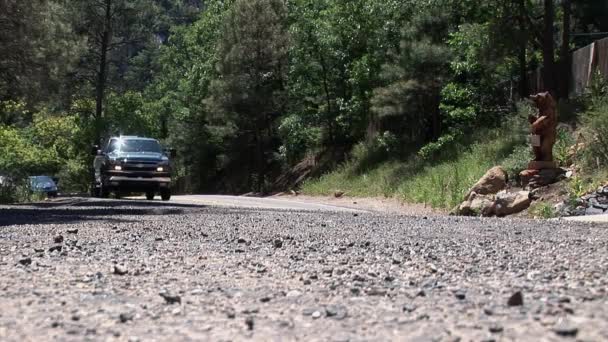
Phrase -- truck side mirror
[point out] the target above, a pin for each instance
(94, 150)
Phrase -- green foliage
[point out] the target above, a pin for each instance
(441, 184)
(517, 161)
(298, 138)
(565, 141)
(542, 210)
(18, 191)
(19, 157)
(127, 115)
(444, 185)
(595, 127)
(579, 186)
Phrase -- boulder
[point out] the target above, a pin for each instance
(511, 203)
(476, 205)
(492, 182)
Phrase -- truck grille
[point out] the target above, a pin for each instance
(140, 165)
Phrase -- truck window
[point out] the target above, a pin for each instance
(113, 145)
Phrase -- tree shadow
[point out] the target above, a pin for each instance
(82, 210)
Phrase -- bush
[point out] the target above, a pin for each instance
(562, 146)
(517, 161)
(595, 132)
(18, 191)
(542, 210)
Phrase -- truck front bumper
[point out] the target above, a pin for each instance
(138, 183)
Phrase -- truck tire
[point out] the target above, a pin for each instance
(95, 191)
(165, 194)
(104, 192)
(150, 195)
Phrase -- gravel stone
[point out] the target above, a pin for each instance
(171, 298)
(120, 270)
(565, 329)
(356, 291)
(25, 261)
(516, 299)
(249, 323)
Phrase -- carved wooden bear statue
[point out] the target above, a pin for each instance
(544, 125)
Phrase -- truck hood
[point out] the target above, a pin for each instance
(143, 156)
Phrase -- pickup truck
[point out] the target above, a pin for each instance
(128, 164)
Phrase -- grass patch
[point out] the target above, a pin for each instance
(441, 184)
(542, 210)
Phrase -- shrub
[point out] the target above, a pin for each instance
(595, 131)
(562, 146)
(517, 161)
(542, 210)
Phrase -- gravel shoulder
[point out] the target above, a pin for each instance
(152, 271)
(378, 204)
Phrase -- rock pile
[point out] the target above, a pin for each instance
(595, 203)
(488, 197)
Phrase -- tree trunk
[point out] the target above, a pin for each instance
(102, 73)
(524, 90)
(549, 49)
(565, 50)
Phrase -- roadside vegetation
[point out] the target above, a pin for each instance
(409, 99)
(443, 181)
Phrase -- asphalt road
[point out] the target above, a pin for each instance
(87, 269)
(256, 203)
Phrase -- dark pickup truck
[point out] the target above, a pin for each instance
(132, 164)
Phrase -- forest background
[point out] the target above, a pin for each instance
(412, 99)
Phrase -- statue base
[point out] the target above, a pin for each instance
(540, 165)
(541, 173)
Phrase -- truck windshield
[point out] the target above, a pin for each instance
(135, 145)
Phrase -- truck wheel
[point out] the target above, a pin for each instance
(150, 195)
(165, 194)
(104, 192)
(95, 191)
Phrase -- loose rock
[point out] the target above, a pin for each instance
(171, 298)
(120, 270)
(517, 299)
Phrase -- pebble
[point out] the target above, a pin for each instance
(249, 323)
(565, 329)
(56, 248)
(277, 243)
(293, 293)
(496, 328)
(125, 317)
(338, 312)
(461, 295)
(316, 314)
(376, 292)
(171, 298)
(409, 308)
(120, 270)
(517, 299)
(73, 231)
(58, 239)
(26, 261)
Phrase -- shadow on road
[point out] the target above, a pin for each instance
(68, 211)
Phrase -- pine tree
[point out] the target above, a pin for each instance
(249, 93)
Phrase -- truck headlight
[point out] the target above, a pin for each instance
(160, 169)
(117, 167)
